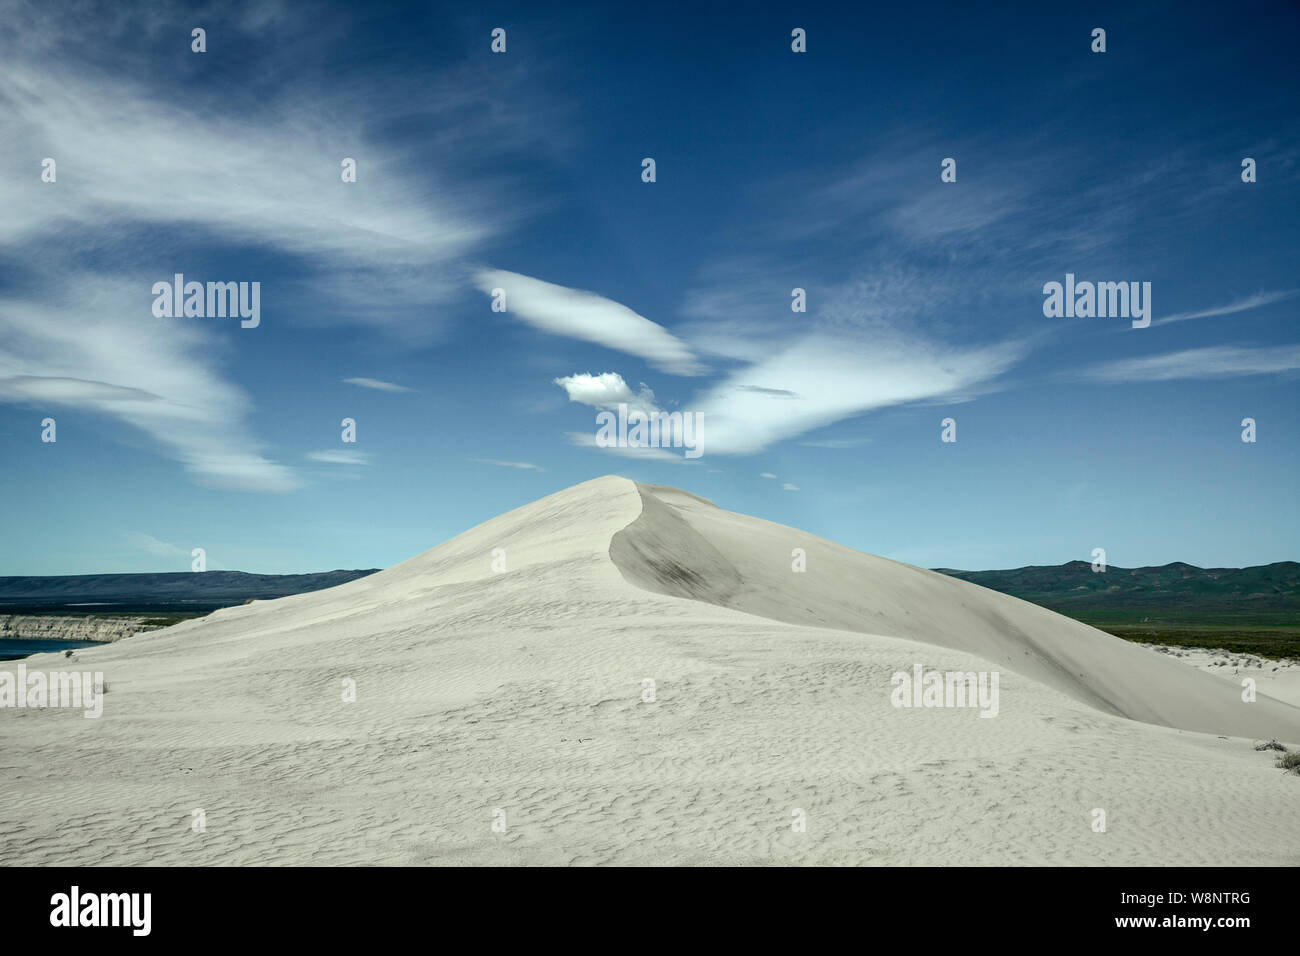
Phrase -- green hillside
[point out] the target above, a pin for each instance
(1254, 610)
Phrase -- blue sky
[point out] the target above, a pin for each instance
(522, 170)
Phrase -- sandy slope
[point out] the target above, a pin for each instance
(1277, 679)
(684, 545)
(522, 691)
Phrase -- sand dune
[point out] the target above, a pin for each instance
(683, 545)
(520, 694)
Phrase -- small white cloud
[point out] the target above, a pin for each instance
(524, 465)
(789, 487)
(766, 474)
(377, 385)
(606, 390)
(340, 457)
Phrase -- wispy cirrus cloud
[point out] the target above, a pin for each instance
(1216, 361)
(836, 377)
(929, 305)
(588, 440)
(578, 314)
(1258, 300)
(146, 542)
(340, 456)
(876, 341)
(893, 318)
(378, 251)
(282, 189)
(815, 381)
(62, 390)
(521, 465)
(377, 385)
(92, 346)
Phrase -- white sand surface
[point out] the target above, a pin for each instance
(1279, 679)
(522, 692)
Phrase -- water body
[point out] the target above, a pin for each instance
(13, 649)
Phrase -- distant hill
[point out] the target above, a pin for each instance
(183, 591)
(1074, 587)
